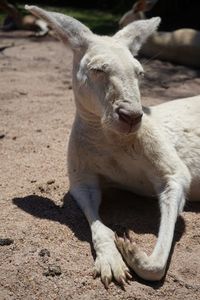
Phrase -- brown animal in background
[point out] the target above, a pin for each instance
(181, 46)
(15, 20)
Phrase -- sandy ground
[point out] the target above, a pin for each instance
(49, 255)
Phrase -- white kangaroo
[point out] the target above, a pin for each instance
(114, 140)
(181, 46)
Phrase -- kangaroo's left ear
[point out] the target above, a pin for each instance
(136, 33)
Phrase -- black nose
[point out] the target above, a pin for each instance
(129, 117)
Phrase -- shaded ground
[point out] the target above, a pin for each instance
(36, 113)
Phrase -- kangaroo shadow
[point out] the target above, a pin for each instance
(120, 210)
(68, 214)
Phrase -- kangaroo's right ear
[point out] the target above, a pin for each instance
(68, 29)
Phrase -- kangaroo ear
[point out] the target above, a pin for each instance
(139, 6)
(136, 33)
(143, 5)
(68, 29)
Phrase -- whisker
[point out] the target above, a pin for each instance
(151, 58)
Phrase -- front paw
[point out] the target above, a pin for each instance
(109, 264)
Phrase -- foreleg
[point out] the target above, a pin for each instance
(109, 262)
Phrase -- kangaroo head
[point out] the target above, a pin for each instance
(137, 12)
(105, 73)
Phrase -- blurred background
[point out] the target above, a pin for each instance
(103, 16)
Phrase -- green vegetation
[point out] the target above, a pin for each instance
(1, 17)
(100, 22)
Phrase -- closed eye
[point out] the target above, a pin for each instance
(97, 70)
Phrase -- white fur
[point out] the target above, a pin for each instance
(180, 46)
(157, 156)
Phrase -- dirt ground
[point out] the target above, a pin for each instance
(49, 253)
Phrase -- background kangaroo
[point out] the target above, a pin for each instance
(180, 46)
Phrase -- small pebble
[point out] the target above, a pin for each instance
(2, 136)
(33, 180)
(53, 270)
(6, 242)
(44, 252)
(51, 181)
(41, 189)
(23, 93)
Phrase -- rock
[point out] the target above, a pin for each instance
(23, 93)
(44, 252)
(51, 181)
(33, 180)
(6, 242)
(2, 136)
(53, 270)
(42, 190)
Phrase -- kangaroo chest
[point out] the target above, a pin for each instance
(125, 171)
